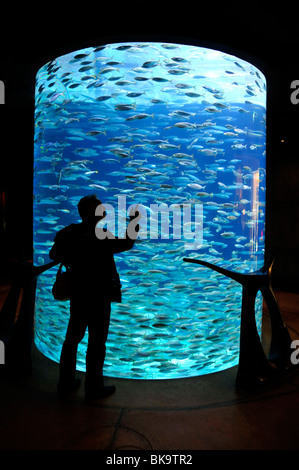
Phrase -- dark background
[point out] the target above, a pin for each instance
(264, 35)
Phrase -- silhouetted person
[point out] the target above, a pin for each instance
(93, 269)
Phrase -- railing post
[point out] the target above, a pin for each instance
(254, 367)
(17, 318)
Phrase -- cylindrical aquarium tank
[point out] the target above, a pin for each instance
(180, 130)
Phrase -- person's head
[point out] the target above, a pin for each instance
(87, 207)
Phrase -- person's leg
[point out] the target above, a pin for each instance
(75, 333)
(98, 326)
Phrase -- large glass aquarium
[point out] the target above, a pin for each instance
(179, 130)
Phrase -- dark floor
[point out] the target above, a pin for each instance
(203, 413)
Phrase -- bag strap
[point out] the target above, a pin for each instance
(60, 269)
(61, 266)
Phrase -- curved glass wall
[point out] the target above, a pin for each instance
(180, 130)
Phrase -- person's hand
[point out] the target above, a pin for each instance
(134, 213)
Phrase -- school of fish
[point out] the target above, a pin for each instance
(158, 123)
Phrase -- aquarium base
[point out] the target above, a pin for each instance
(256, 382)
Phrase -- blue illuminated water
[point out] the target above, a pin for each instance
(156, 123)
